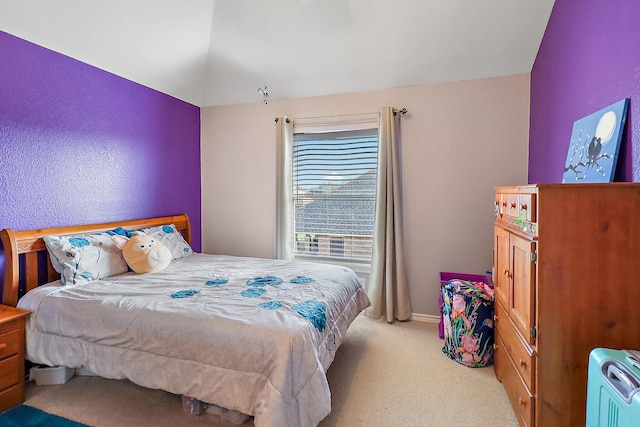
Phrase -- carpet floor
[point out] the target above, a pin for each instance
(383, 375)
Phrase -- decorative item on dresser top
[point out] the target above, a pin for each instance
(11, 356)
(566, 281)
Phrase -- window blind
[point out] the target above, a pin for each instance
(334, 190)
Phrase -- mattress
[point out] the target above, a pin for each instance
(248, 334)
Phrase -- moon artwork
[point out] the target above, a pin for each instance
(594, 146)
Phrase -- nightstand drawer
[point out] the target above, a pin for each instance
(9, 344)
(9, 372)
(11, 325)
(11, 397)
(12, 322)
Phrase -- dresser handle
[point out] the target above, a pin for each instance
(522, 363)
(521, 401)
(523, 207)
(3, 346)
(513, 205)
(504, 204)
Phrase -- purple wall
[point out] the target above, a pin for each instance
(589, 58)
(79, 145)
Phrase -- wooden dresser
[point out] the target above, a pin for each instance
(567, 280)
(11, 356)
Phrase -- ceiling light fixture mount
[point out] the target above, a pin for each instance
(265, 94)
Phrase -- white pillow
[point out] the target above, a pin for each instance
(84, 258)
(172, 239)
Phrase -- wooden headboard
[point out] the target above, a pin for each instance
(27, 261)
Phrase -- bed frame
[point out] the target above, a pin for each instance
(27, 264)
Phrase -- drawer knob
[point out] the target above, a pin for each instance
(523, 207)
(504, 204)
(522, 363)
(513, 205)
(3, 346)
(521, 401)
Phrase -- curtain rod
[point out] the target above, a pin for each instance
(402, 111)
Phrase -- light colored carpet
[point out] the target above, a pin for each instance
(383, 375)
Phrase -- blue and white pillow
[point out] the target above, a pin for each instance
(167, 234)
(172, 239)
(84, 258)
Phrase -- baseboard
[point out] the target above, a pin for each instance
(425, 318)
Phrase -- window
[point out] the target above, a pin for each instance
(337, 246)
(334, 192)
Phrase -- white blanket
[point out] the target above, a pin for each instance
(251, 335)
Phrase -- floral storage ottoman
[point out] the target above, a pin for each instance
(467, 318)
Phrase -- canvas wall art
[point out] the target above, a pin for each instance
(594, 146)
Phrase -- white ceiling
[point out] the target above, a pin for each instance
(216, 52)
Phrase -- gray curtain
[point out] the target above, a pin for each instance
(284, 198)
(388, 289)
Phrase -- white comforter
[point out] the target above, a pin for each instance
(251, 335)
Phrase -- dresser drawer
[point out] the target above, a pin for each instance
(520, 397)
(9, 344)
(501, 363)
(9, 372)
(512, 205)
(517, 205)
(519, 352)
(527, 204)
(502, 201)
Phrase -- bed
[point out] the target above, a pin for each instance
(250, 335)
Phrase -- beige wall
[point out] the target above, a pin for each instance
(459, 141)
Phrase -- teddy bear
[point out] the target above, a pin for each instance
(143, 253)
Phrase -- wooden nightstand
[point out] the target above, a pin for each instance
(11, 356)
